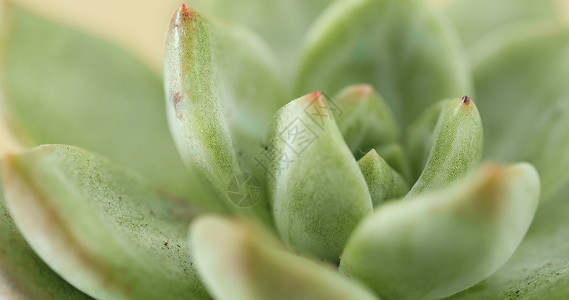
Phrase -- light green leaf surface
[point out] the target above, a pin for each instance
(240, 261)
(318, 191)
(63, 86)
(283, 24)
(532, 65)
(222, 89)
(445, 241)
(104, 230)
(473, 19)
(384, 183)
(539, 269)
(365, 119)
(521, 79)
(455, 146)
(395, 156)
(23, 275)
(403, 48)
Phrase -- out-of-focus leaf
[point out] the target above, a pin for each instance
(539, 269)
(396, 157)
(103, 229)
(222, 89)
(240, 261)
(283, 24)
(438, 244)
(475, 18)
(63, 86)
(384, 183)
(455, 146)
(365, 120)
(319, 194)
(403, 48)
(521, 77)
(23, 275)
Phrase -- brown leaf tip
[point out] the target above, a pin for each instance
(466, 100)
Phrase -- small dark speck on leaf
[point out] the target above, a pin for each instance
(517, 291)
(466, 100)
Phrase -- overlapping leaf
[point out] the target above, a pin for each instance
(63, 86)
(403, 48)
(103, 229)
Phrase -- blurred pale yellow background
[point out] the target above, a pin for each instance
(138, 25)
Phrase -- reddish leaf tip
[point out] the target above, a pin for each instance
(466, 100)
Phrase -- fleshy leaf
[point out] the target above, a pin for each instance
(476, 18)
(539, 269)
(318, 191)
(222, 90)
(63, 86)
(531, 65)
(446, 241)
(383, 182)
(456, 146)
(23, 275)
(395, 156)
(525, 73)
(240, 261)
(403, 48)
(283, 24)
(365, 119)
(419, 137)
(103, 229)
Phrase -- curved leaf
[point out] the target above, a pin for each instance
(23, 275)
(101, 228)
(365, 119)
(63, 86)
(438, 244)
(383, 182)
(222, 90)
(473, 20)
(539, 269)
(240, 261)
(396, 157)
(403, 48)
(318, 191)
(522, 70)
(455, 146)
(283, 24)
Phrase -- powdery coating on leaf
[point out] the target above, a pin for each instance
(106, 221)
(459, 235)
(260, 267)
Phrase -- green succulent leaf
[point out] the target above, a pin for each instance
(476, 18)
(283, 24)
(396, 157)
(383, 182)
(23, 275)
(532, 64)
(318, 191)
(455, 146)
(240, 261)
(458, 236)
(365, 119)
(64, 86)
(222, 91)
(103, 229)
(539, 269)
(524, 73)
(403, 48)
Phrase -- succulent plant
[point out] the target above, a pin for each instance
(425, 155)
